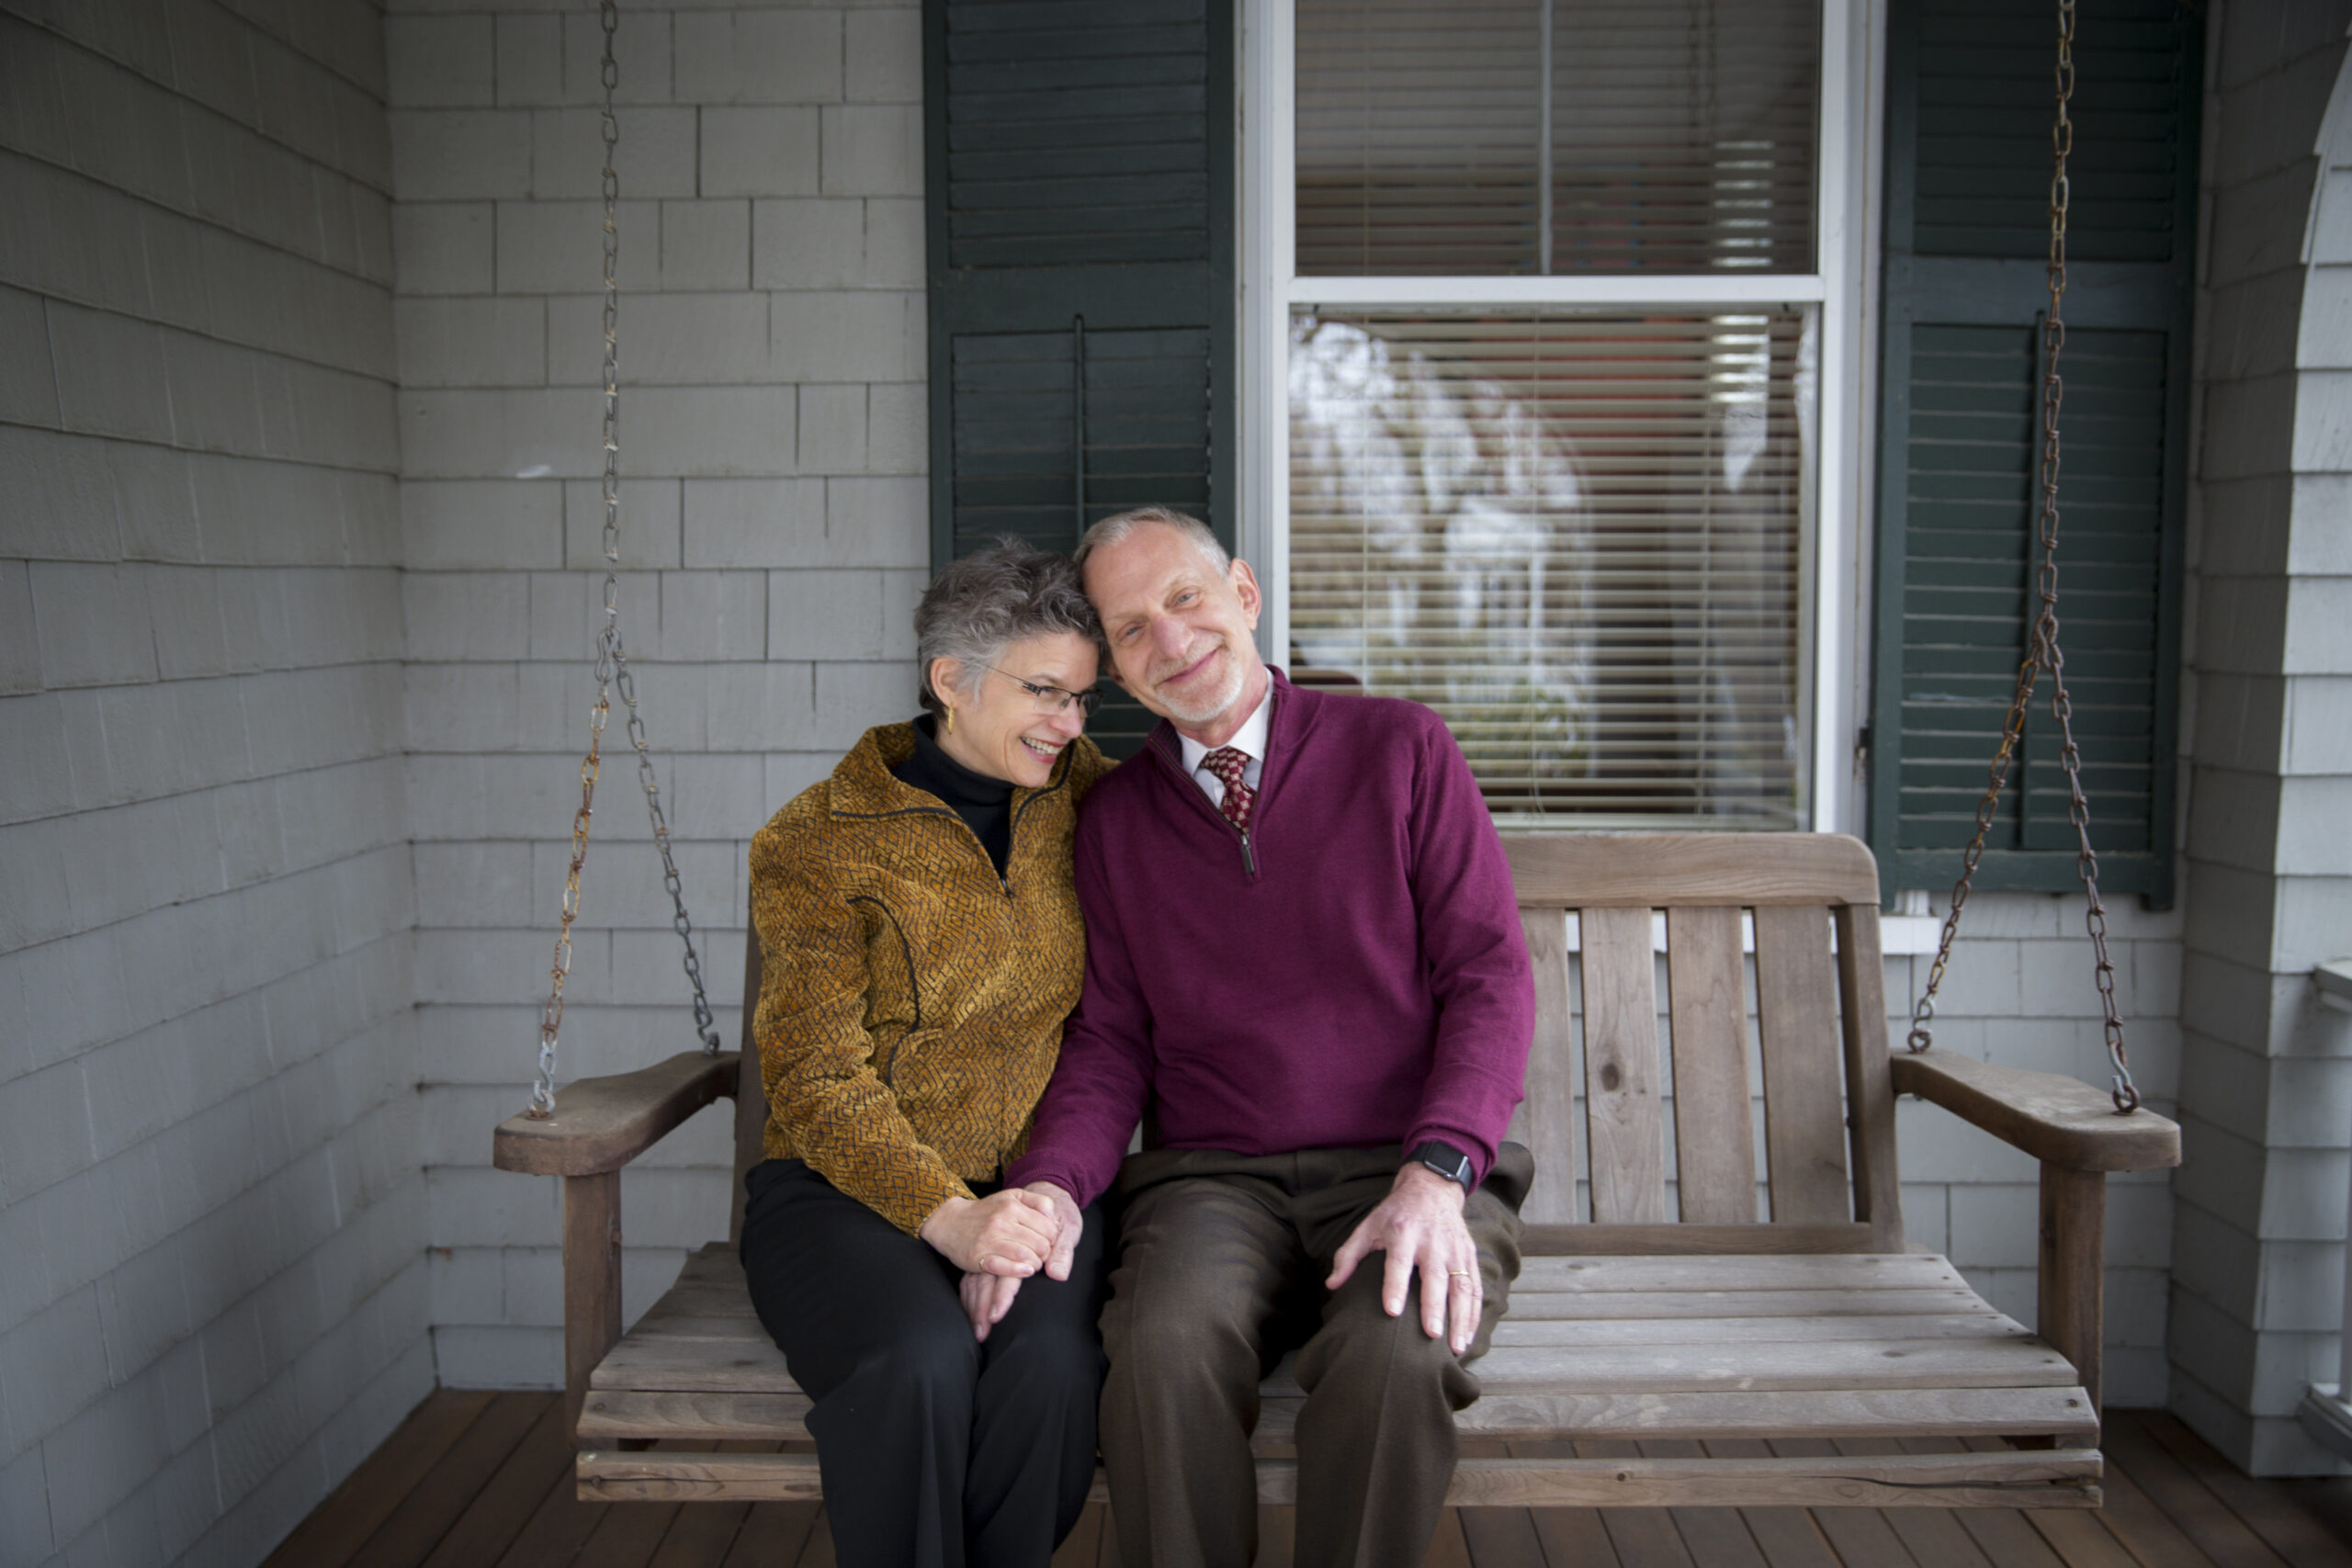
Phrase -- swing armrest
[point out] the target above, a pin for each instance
(2059, 1120)
(601, 1124)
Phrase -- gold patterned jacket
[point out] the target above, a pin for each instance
(912, 1003)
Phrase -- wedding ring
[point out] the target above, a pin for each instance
(1460, 1274)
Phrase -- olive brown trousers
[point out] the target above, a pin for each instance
(1221, 1269)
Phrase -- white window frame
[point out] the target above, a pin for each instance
(1834, 620)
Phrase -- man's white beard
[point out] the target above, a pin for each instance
(1214, 704)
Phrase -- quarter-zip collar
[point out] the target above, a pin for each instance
(983, 801)
(862, 785)
(1249, 739)
(1290, 716)
(950, 779)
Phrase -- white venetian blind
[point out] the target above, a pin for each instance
(1670, 136)
(1575, 536)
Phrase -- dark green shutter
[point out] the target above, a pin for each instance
(1078, 174)
(1969, 113)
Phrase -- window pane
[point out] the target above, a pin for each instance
(1418, 136)
(1681, 136)
(1577, 537)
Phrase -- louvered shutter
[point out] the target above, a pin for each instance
(1968, 172)
(1079, 193)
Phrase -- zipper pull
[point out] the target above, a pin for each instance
(1248, 858)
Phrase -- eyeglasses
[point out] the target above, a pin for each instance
(1052, 701)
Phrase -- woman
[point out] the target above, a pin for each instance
(921, 945)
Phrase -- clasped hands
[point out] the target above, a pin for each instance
(1003, 1239)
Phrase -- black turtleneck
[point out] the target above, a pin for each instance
(985, 804)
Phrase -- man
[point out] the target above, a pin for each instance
(1304, 956)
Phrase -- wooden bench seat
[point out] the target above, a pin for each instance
(1625, 1325)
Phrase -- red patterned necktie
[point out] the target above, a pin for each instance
(1227, 765)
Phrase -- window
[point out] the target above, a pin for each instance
(1534, 367)
(1575, 536)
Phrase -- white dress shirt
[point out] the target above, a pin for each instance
(1251, 739)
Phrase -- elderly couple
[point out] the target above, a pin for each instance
(1281, 939)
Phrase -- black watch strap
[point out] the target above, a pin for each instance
(1445, 1159)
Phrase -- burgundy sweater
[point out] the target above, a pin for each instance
(1362, 979)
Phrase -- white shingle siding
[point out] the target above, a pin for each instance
(209, 1189)
(774, 537)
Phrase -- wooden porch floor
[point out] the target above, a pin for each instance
(476, 1479)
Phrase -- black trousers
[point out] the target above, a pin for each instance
(936, 1450)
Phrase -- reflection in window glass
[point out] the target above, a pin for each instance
(1576, 537)
(1417, 135)
(1680, 136)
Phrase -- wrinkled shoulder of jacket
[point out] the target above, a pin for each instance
(1088, 767)
(857, 782)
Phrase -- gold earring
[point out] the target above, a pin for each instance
(951, 721)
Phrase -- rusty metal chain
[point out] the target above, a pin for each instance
(2044, 653)
(612, 656)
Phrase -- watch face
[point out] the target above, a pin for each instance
(1447, 1161)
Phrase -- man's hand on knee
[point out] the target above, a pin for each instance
(1072, 1223)
(1419, 1226)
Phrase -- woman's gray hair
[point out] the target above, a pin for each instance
(979, 605)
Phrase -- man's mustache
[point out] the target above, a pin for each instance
(1180, 663)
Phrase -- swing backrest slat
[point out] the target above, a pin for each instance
(1686, 1032)
(1634, 1058)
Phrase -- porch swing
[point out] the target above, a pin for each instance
(1648, 1357)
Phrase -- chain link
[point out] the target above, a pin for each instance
(2044, 654)
(613, 672)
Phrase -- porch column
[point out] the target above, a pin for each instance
(2266, 1092)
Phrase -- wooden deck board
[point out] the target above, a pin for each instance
(338, 1527)
(486, 1478)
(1934, 1537)
(1501, 1538)
(774, 1535)
(1789, 1537)
(2002, 1535)
(1862, 1538)
(2278, 1513)
(537, 1464)
(2201, 1516)
(1716, 1537)
(445, 1493)
(2144, 1529)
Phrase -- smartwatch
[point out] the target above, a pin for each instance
(1446, 1160)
